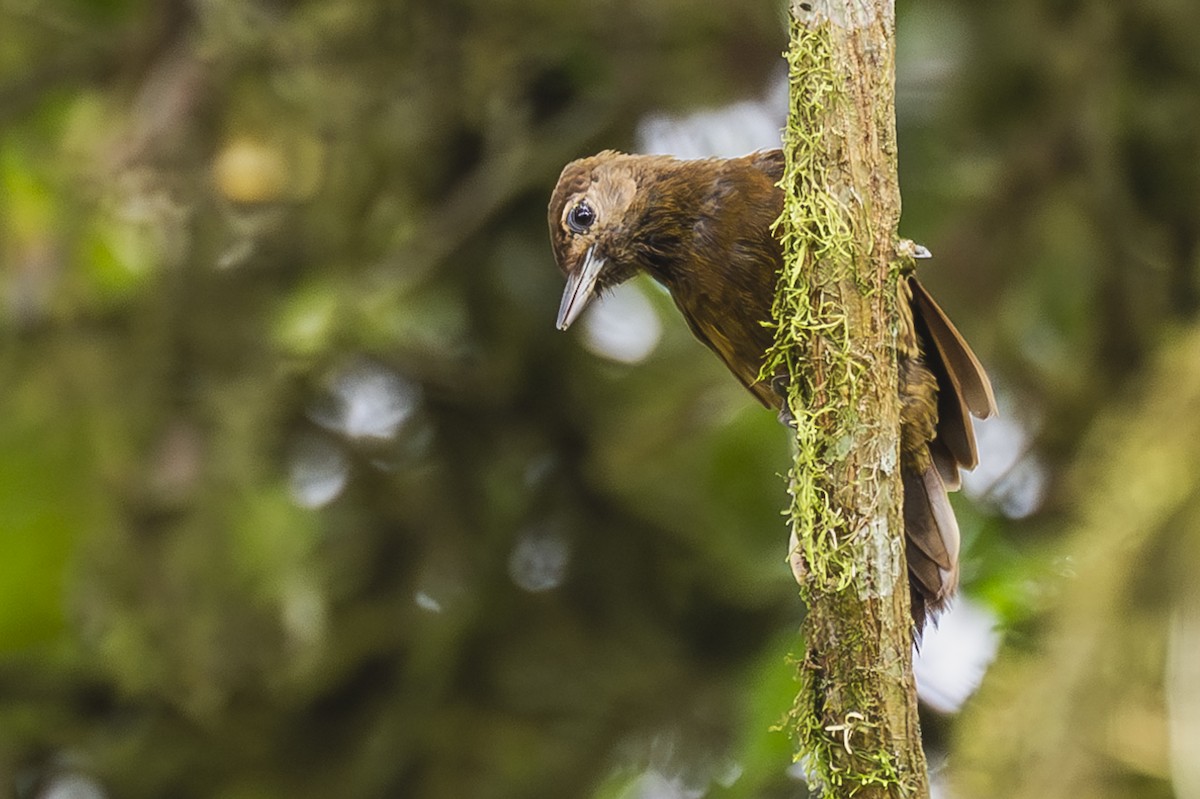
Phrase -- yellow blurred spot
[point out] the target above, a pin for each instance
(250, 171)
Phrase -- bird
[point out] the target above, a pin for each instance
(704, 230)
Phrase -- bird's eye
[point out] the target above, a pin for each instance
(581, 217)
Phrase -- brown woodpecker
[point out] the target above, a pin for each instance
(703, 230)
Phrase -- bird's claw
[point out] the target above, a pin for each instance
(908, 252)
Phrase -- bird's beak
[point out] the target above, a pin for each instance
(581, 287)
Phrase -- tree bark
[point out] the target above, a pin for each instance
(855, 719)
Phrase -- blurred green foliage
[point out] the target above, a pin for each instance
(235, 236)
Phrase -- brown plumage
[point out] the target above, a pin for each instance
(703, 230)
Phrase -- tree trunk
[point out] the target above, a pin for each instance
(855, 719)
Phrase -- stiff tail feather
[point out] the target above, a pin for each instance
(932, 536)
(963, 390)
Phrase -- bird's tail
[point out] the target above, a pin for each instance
(932, 543)
(932, 463)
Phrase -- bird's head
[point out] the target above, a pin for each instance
(589, 226)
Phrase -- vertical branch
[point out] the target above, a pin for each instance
(855, 719)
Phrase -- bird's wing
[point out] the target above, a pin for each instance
(736, 362)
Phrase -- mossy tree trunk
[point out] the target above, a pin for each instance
(855, 719)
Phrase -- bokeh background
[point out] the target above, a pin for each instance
(302, 494)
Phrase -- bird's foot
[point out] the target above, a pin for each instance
(910, 252)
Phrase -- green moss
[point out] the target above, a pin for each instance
(819, 232)
(845, 756)
(818, 237)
